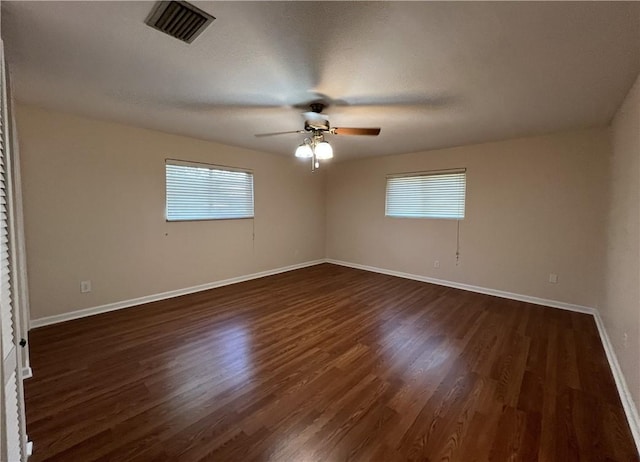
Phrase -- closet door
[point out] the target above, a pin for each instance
(12, 431)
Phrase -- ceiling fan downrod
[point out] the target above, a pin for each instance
(316, 107)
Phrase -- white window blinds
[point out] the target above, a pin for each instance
(207, 192)
(439, 194)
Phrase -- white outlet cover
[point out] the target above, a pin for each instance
(85, 286)
(436, 264)
(553, 278)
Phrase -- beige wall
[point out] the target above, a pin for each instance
(621, 302)
(94, 209)
(534, 206)
(94, 204)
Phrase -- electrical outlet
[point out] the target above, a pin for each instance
(85, 287)
(436, 263)
(553, 278)
(625, 340)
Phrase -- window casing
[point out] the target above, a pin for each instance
(197, 191)
(436, 194)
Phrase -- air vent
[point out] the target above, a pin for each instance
(179, 19)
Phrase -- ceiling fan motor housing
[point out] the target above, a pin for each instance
(316, 125)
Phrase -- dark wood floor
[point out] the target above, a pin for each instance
(326, 364)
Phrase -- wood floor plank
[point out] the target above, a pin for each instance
(325, 363)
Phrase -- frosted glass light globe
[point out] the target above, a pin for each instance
(304, 151)
(324, 151)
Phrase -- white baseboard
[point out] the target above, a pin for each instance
(629, 406)
(48, 320)
(470, 288)
(27, 373)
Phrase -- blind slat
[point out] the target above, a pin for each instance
(438, 195)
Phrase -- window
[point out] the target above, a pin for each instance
(438, 194)
(207, 192)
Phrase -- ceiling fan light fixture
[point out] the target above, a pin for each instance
(323, 151)
(304, 151)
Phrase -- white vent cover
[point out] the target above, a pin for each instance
(178, 19)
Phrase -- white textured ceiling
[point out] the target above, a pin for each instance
(430, 74)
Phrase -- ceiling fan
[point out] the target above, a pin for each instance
(316, 125)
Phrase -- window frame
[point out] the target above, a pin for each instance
(427, 173)
(196, 164)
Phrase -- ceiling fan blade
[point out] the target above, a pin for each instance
(355, 131)
(260, 135)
